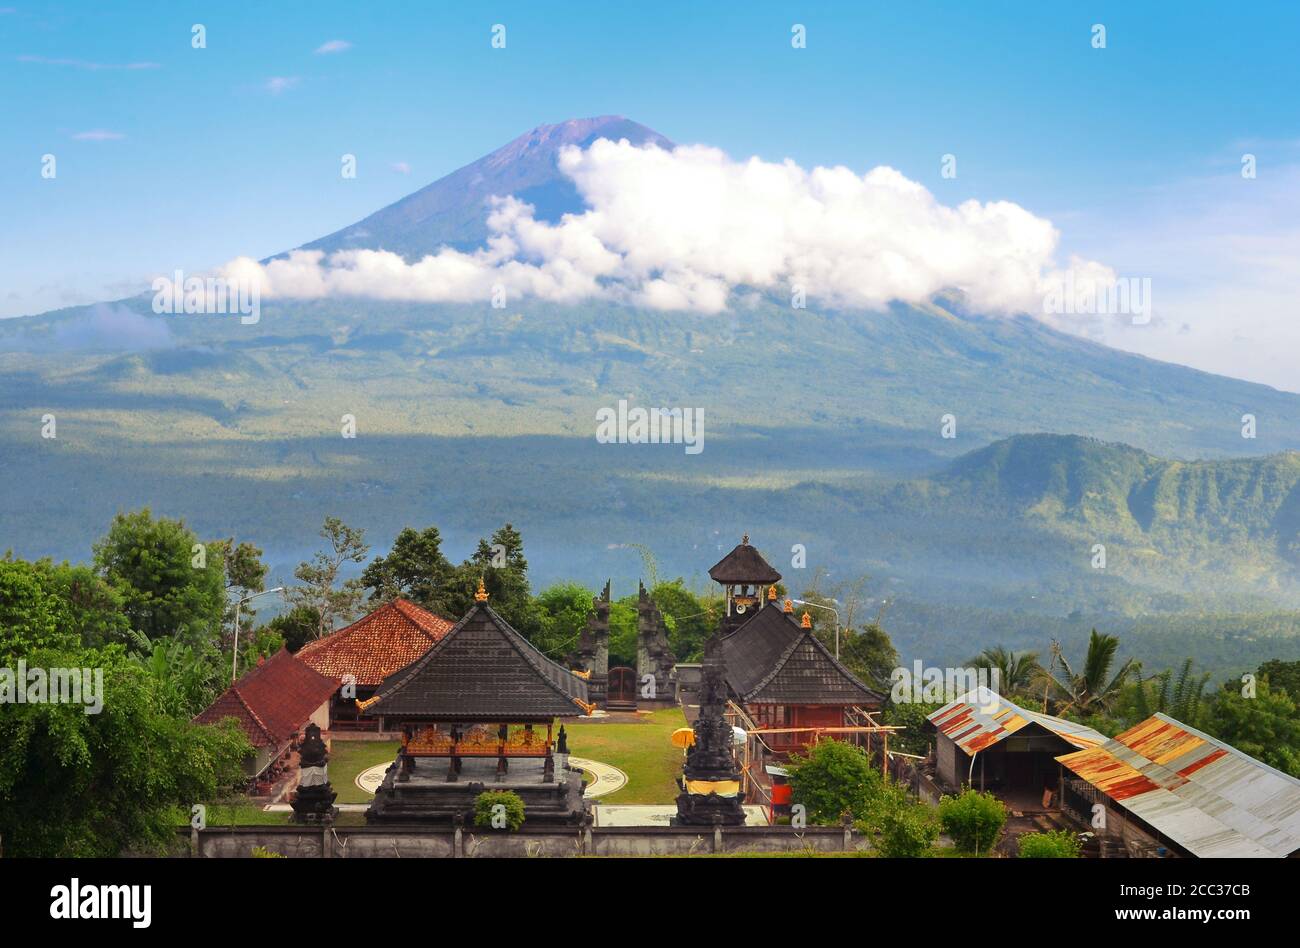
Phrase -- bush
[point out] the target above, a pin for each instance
(898, 826)
(833, 778)
(1061, 844)
(499, 809)
(907, 831)
(974, 820)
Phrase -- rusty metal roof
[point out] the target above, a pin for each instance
(1203, 794)
(982, 717)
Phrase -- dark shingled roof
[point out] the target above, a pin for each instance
(272, 701)
(772, 660)
(482, 668)
(743, 565)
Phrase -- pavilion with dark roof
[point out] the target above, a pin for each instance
(370, 649)
(484, 701)
(777, 670)
(273, 702)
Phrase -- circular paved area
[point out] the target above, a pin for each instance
(370, 778)
(604, 778)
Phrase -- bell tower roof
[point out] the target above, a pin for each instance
(744, 564)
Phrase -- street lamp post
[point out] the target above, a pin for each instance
(818, 605)
(234, 659)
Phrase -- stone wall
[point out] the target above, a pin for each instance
(359, 842)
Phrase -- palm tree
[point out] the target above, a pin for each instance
(1093, 691)
(1180, 698)
(1016, 670)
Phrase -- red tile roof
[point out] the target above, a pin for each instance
(373, 647)
(272, 700)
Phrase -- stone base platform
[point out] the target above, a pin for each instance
(429, 797)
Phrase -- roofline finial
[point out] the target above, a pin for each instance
(481, 595)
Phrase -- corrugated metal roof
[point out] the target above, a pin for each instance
(1203, 794)
(982, 717)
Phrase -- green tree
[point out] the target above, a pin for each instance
(77, 784)
(169, 584)
(974, 820)
(562, 612)
(185, 679)
(1094, 689)
(415, 569)
(94, 610)
(1181, 696)
(296, 627)
(500, 563)
(1282, 675)
(322, 588)
(32, 616)
(1265, 726)
(869, 654)
(833, 778)
(622, 632)
(913, 717)
(1017, 671)
(690, 620)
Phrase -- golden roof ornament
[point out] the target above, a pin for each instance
(771, 594)
(806, 621)
(744, 540)
(481, 595)
(789, 605)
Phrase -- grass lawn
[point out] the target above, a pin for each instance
(641, 750)
(349, 758)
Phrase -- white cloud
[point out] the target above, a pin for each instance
(277, 84)
(333, 46)
(98, 135)
(1223, 256)
(401, 167)
(86, 64)
(683, 229)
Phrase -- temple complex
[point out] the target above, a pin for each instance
(477, 712)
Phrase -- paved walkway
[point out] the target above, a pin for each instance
(605, 779)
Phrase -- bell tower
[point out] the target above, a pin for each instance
(748, 581)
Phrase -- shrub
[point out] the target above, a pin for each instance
(898, 826)
(833, 778)
(974, 820)
(1061, 844)
(261, 852)
(907, 831)
(499, 809)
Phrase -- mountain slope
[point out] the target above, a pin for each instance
(453, 210)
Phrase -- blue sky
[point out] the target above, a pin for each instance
(169, 156)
